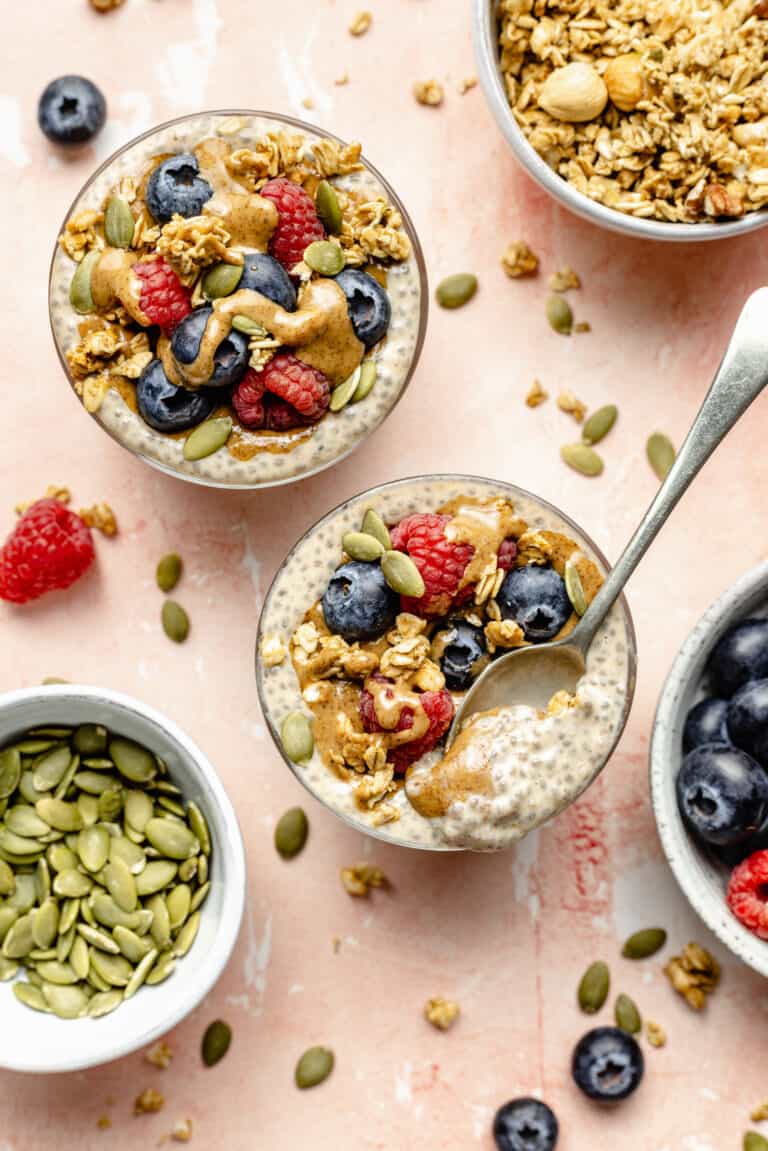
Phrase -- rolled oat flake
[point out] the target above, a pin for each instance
(314, 1067)
(216, 1041)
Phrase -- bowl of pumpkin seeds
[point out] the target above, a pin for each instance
(122, 877)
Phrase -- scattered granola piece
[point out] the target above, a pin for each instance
(536, 395)
(441, 1013)
(361, 24)
(564, 280)
(582, 326)
(273, 650)
(361, 877)
(519, 260)
(568, 403)
(760, 1113)
(336, 945)
(101, 517)
(159, 1055)
(80, 235)
(467, 84)
(106, 5)
(52, 492)
(655, 1034)
(149, 1101)
(308, 103)
(341, 80)
(192, 243)
(103, 1122)
(429, 92)
(504, 633)
(182, 1130)
(695, 974)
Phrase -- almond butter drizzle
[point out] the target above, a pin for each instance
(454, 779)
(484, 524)
(112, 280)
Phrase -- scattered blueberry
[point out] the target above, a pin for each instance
(706, 722)
(607, 1064)
(464, 654)
(71, 110)
(536, 598)
(232, 354)
(264, 274)
(177, 188)
(368, 304)
(748, 720)
(722, 793)
(739, 656)
(525, 1125)
(166, 407)
(358, 604)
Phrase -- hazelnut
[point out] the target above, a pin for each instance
(574, 94)
(625, 81)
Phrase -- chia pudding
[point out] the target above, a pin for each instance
(374, 660)
(244, 272)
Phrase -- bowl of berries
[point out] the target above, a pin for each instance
(709, 768)
(238, 298)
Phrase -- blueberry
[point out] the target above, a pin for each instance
(358, 603)
(536, 598)
(368, 305)
(464, 653)
(231, 357)
(166, 407)
(177, 188)
(739, 656)
(607, 1064)
(706, 722)
(264, 274)
(525, 1125)
(722, 793)
(71, 110)
(748, 720)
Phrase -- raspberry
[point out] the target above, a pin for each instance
(49, 548)
(301, 386)
(281, 417)
(298, 225)
(747, 894)
(507, 553)
(164, 300)
(441, 562)
(248, 400)
(439, 708)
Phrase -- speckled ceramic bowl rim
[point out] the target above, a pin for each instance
(370, 493)
(417, 255)
(492, 82)
(689, 865)
(231, 860)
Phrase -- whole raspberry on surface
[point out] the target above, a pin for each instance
(439, 708)
(258, 408)
(442, 562)
(248, 400)
(298, 226)
(300, 385)
(49, 549)
(164, 300)
(507, 554)
(747, 894)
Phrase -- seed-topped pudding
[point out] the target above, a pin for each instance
(237, 300)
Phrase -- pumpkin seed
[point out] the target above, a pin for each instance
(34, 746)
(188, 869)
(198, 899)
(324, 257)
(131, 853)
(45, 926)
(216, 1041)
(111, 803)
(80, 289)
(66, 1002)
(168, 571)
(7, 879)
(90, 739)
(132, 760)
(99, 985)
(221, 280)
(160, 929)
(55, 972)
(163, 968)
(64, 945)
(24, 821)
(575, 588)
(140, 974)
(79, 958)
(121, 885)
(360, 546)
(60, 858)
(8, 916)
(72, 884)
(187, 935)
(30, 996)
(199, 827)
(248, 326)
(50, 769)
(373, 525)
(103, 1002)
(17, 844)
(202, 870)
(20, 939)
(134, 947)
(99, 939)
(297, 738)
(366, 381)
(88, 806)
(291, 832)
(594, 987)
(58, 814)
(559, 314)
(207, 438)
(10, 771)
(456, 291)
(328, 207)
(582, 458)
(755, 1142)
(93, 782)
(156, 875)
(315, 1065)
(113, 969)
(171, 839)
(39, 954)
(627, 1015)
(642, 944)
(93, 847)
(661, 454)
(175, 621)
(598, 425)
(401, 574)
(8, 969)
(138, 809)
(178, 902)
(343, 393)
(119, 223)
(42, 881)
(68, 914)
(33, 977)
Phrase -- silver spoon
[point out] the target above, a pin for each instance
(532, 675)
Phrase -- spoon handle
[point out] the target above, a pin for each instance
(741, 377)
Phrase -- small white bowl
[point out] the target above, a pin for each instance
(32, 1041)
(702, 879)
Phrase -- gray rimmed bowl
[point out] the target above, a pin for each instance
(35, 1042)
(702, 878)
(492, 81)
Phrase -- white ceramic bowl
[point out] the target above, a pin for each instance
(702, 879)
(492, 81)
(31, 1041)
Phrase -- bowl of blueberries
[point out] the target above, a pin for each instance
(709, 768)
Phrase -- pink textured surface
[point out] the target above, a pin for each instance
(507, 936)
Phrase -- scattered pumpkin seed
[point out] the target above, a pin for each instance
(119, 223)
(297, 738)
(207, 438)
(575, 588)
(401, 574)
(291, 832)
(168, 571)
(90, 739)
(328, 207)
(80, 289)
(594, 987)
(582, 458)
(456, 291)
(366, 381)
(361, 546)
(175, 621)
(30, 996)
(755, 1142)
(627, 1016)
(598, 425)
(221, 280)
(559, 314)
(248, 326)
(324, 257)
(314, 1067)
(343, 393)
(642, 944)
(661, 454)
(373, 525)
(216, 1041)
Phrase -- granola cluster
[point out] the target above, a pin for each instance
(681, 128)
(694, 974)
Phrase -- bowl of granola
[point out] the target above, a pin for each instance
(384, 614)
(238, 298)
(652, 122)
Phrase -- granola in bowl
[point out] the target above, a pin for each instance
(376, 660)
(238, 298)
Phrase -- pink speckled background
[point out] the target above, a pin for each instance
(507, 936)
